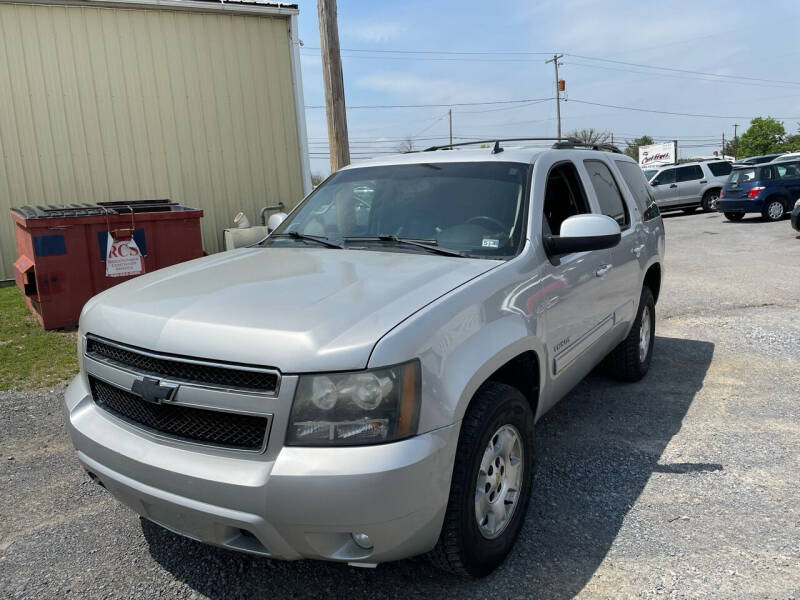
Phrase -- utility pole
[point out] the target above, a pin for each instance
(735, 141)
(554, 60)
(723, 145)
(334, 85)
(450, 117)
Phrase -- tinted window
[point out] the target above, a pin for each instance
(563, 197)
(608, 194)
(720, 168)
(691, 173)
(739, 176)
(666, 176)
(640, 189)
(789, 170)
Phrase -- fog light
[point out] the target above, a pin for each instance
(362, 540)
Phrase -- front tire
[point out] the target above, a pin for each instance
(773, 210)
(630, 361)
(731, 216)
(491, 483)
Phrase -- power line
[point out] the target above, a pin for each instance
(437, 51)
(667, 112)
(436, 105)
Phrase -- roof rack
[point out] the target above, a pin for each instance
(560, 143)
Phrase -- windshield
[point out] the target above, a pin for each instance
(648, 173)
(739, 176)
(474, 208)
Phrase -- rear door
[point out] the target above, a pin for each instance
(665, 189)
(690, 180)
(788, 175)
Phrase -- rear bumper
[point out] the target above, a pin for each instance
(302, 503)
(740, 205)
(796, 218)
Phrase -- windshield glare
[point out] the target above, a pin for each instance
(739, 176)
(476, 208)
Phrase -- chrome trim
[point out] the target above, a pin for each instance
(179, 440)
(191, 361)
(569, 354)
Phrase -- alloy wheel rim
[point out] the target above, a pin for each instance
(499, 481)
(644, 335)
(712, 202)
(775, 210)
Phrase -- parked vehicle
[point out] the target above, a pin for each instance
(796, 215)
(767, 189)
(648, 173)
(688, 186)
(787, 157)
(363, 386)
(757, 160)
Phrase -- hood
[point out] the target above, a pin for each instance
(297, 309)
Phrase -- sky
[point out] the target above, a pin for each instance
(460, 54)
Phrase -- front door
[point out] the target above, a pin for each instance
(665, 189)
(690, 180)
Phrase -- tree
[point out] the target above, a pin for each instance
(632, 146)
(590, 136)
(730, 148)
(316, 179)
(406, 146)
(764, 136)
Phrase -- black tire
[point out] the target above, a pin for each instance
(773, 215)
(709, 201)
(625, 361)
(734, 216)
(462, 548)
(690, 210)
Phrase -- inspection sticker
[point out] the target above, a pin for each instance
(490, 243)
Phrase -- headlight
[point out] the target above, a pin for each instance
(349, 409)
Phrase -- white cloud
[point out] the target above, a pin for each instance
(372, 32)
(428, 90)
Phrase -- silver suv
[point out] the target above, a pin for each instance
(363, 385)
(690, 185)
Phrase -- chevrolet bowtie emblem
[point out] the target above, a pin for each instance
(153, 391)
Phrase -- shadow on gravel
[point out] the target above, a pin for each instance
(596, 451)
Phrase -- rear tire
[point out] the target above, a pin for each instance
(630, 361)
(773, 210)
(709, 202)
(498, 417)
(734, 216)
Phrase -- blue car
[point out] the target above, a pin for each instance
(770, 189)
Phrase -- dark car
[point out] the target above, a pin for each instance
(756, 160)
(767, 189)
(796, 216)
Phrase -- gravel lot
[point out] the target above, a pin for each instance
(685, 484)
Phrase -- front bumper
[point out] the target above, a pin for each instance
(740, 205)
(294, 503)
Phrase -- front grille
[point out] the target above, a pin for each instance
(196, 372)
(245, 432)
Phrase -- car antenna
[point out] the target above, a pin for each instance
(497, 149)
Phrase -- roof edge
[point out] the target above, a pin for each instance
(278, 9)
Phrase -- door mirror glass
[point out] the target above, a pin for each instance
(582, 233)
(274, 221)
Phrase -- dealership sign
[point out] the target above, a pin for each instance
(657, 154)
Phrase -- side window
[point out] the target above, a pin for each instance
(564, 197)
(608, 194)
(691, 173)
(766, 174)
(666, 176)
(637, 184)
(720, 169)
(788, 170)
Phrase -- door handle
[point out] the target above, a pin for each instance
(637, 250)
(674, 185)
(704, 181)
(602, 270)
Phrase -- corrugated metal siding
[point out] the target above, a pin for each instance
(121, 104)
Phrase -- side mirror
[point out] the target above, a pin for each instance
(581, 233)
(274, 221)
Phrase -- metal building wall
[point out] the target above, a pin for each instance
(122, 104)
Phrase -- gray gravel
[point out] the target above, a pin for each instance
(682, 485)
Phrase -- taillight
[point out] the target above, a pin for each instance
(755, 191)
(721, 192)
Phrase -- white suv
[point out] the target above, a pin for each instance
(688, 186)
(363, 386)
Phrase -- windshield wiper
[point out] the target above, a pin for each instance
(320, 239)
(430, 247)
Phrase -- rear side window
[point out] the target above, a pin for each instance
(640, 189)
(564, 197)
(666, 176)
(608, 194)
(690, 173)
(718, 169)
(787, 170)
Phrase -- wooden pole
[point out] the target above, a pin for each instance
(450, 115)
(333, 81)
(554, 60)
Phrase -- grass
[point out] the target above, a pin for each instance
(31, 357)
